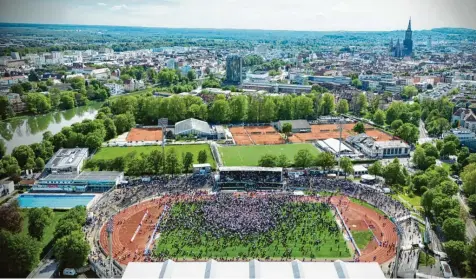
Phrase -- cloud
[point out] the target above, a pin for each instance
(119, 7)
(102, 4)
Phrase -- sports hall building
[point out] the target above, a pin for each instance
(87, 181)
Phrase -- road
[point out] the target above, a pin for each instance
(423, 134)
(470, 226)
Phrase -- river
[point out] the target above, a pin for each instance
(30, 129)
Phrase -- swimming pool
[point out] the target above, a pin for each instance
(54, 201)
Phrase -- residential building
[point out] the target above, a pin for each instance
(15, 55)
(15, 101)
(132, 85)
(6, 187)
(234, 65)
(67, 160)
(330, 79)
(9, 81)
(465, 118)
(172, 63)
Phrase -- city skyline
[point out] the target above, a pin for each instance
(306, 15)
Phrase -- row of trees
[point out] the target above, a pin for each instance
(236, 109)
(153, 163)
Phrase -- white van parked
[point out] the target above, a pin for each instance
(445, 267)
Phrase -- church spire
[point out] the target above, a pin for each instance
(410, 24)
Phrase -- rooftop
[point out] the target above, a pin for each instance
(192, 124)
(67, 157)
(86, 175)
(253, 269)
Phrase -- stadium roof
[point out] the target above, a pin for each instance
(192, 124)
(66, 158)
(334, 145)
(85, 175)
(253, 269)
(249, 169)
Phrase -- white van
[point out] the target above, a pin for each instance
(69, 271)
(445, 267)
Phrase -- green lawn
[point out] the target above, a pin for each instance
(302, 231)
(362, 238)
(249, 155)
(107, 153)
(415, 202)
(49, 230)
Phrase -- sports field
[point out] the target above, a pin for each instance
(206, 229)
(250, 155)
(107, 153)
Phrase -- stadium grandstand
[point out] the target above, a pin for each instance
(249, 178)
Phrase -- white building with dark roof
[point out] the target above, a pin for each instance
(67, 160)
(465, 117)
(379, 149)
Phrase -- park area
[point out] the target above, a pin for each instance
(250, 155)
(271, 228)
(108, 153)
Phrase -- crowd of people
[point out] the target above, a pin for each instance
(228, 227)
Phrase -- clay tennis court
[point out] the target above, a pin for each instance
(145, 134)
(126, 222)
(250, 135)
(327, 131)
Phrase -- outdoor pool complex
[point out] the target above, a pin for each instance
(54, 201)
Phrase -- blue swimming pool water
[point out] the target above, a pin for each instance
(54, 201)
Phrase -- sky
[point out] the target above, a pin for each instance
(315, 15)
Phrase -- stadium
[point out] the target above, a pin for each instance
(317, 220)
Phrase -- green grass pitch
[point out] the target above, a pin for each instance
(107, 153)
(249, 155)
(193, 241)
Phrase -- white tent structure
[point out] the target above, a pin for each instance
(193, 126)
(253, 269)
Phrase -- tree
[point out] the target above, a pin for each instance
(39, 164)
(449, 148)
(72, 250)
(9, 166)
(37, 103)
(220, 112)
(282, 161)
(66, 227)
(30, 164)
(327, 104)
(430, 150)
(396, 124)
(448, 187)
(38, 220)
(3, 148)
(303, 159)
(33, 76)
(408, 132)
(6, 109)
(376, 169)
(456, 251)
(393, 173)
(359, 128)
(124, 122)
(472, 204)
(187, 161)
(361, 104)
(422, 161)
(156, 161)
(20, 254)
(17, 88)
(342, 106)
(22, 153)
(93, 141)
(191, 75)
(11, 218)
(409, 91)
(325, 160)
(356, 83)
(379, 117)
(26, 86)
(346, 165)
(111, 131)
(238, 108)
(66, 101)
(454, 229)
(287, 128)
(172, 164)
(202, 157)
(268, 160)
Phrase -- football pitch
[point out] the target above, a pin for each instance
(249, 155)
(201, 231)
